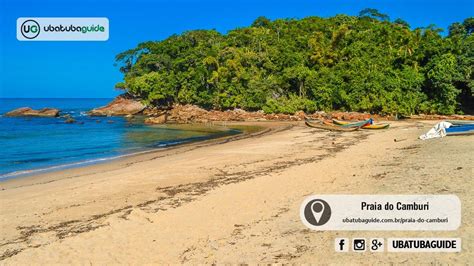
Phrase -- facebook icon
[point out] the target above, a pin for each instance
(341, 244)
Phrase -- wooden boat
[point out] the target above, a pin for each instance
(365, 126)
(376, 126)
(460, 130)
(352, 124)
(318, 124)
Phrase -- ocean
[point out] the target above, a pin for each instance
(34, 145)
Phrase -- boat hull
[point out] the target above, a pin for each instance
(467, 129)
(352, 124)
(329, 127)
(364, 126)
(377, 126)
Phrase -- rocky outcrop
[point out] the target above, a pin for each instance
(156, 119)
(120, 106)
(188, 113)
(127, 106)
(27, 111)
(155, 115)
(443, 117)
(193, 114)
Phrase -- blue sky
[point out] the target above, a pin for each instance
(86, 69)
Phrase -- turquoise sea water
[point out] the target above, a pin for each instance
(30, 145)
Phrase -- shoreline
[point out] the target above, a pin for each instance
(81, 167)
(93, 161)
(231, 200)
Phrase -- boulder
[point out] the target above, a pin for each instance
(27, 111)
(300, 115)
(69, 120)
(120, 106)
(187, 113)
(157, 119)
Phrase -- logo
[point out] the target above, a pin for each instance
(341, 244)
(358, 244)
(62, 29)
(30, 29)
(315, 212)
(429, 244)
(377, 245)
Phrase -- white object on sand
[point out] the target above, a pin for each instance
(438, 131)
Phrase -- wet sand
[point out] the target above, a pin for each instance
(233, 200)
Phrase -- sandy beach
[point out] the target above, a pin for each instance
(233, 200)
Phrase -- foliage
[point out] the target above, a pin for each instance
(364, 63)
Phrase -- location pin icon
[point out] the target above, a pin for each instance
(317, 208)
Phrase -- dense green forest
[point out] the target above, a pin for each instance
(352, 63)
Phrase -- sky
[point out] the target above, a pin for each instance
(86, 69)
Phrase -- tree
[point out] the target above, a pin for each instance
(468, 24)
(155, 88)
(440, 76)
(261, 22)
(457, 29)
(401, 22)
(373, 13)
(296, 78)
